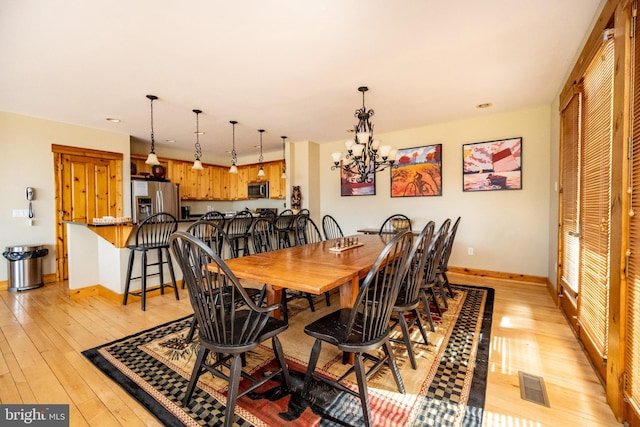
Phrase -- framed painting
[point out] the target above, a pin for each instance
(417, 172)
(492, 165)
(350, 185)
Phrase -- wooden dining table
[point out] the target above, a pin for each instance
(312, 268)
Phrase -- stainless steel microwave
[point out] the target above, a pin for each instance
(258, 190)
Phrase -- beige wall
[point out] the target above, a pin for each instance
(508, 230)
(27, 161)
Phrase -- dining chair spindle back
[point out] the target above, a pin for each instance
(365, 327)
(215, 293)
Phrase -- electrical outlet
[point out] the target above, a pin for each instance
(21, 213)
(469, 251)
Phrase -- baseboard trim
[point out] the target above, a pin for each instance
(100, 290)
(536, 280)
(46, 278)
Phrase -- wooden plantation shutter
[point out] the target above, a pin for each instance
(632, 333)
(570, 120)
(593, 305)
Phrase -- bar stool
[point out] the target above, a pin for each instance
(238, 232)
(152, 234)
(283, 228)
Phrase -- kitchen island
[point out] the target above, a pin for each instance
(98, 257)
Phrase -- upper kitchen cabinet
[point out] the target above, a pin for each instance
(214, 182)
(203, 183)
(218, 179)
(230, 190)
(139, 169)
(194, 184)
(277, 185)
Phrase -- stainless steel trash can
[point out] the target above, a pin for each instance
(25, 267)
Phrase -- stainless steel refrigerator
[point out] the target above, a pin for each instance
(151, 197)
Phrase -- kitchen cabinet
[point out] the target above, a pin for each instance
(194, 184)
(243, 180)
(231, 190)
(215, 182)
(277, 185)
(142, 169)
(203, 186)
(216, 174)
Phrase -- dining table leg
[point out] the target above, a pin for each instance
(274, 296)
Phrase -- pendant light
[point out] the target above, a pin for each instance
(197, 164)
(152, 159)
(234, 156)
(261, 170)
(284, 160)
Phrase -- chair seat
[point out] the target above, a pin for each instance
(403, 303)
(331, 328)
(271, 328)
(147, 246)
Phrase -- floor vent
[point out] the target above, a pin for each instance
(532, 389)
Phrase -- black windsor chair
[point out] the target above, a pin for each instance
(215, 216)
(446, 253)
(331, 228)
(223, 329)
(366, 326)
(394, 224)
(283, 228)
(406, 305)
(215, 237)
(430, 281)
(238, 229)
(305, 232)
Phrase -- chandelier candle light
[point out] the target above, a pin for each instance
(234, 155)
(365, 156)
(261, 170)
(197, 164)
(152, 159)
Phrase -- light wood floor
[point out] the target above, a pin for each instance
(42, 333)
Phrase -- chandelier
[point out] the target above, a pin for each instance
(365, 156)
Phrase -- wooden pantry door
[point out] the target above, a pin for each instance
(88, 184)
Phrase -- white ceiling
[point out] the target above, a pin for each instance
(291, 67)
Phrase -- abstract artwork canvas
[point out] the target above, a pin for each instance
(418, 172)
(350, 185)
(492, 165)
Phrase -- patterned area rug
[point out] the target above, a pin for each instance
(446, 389)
